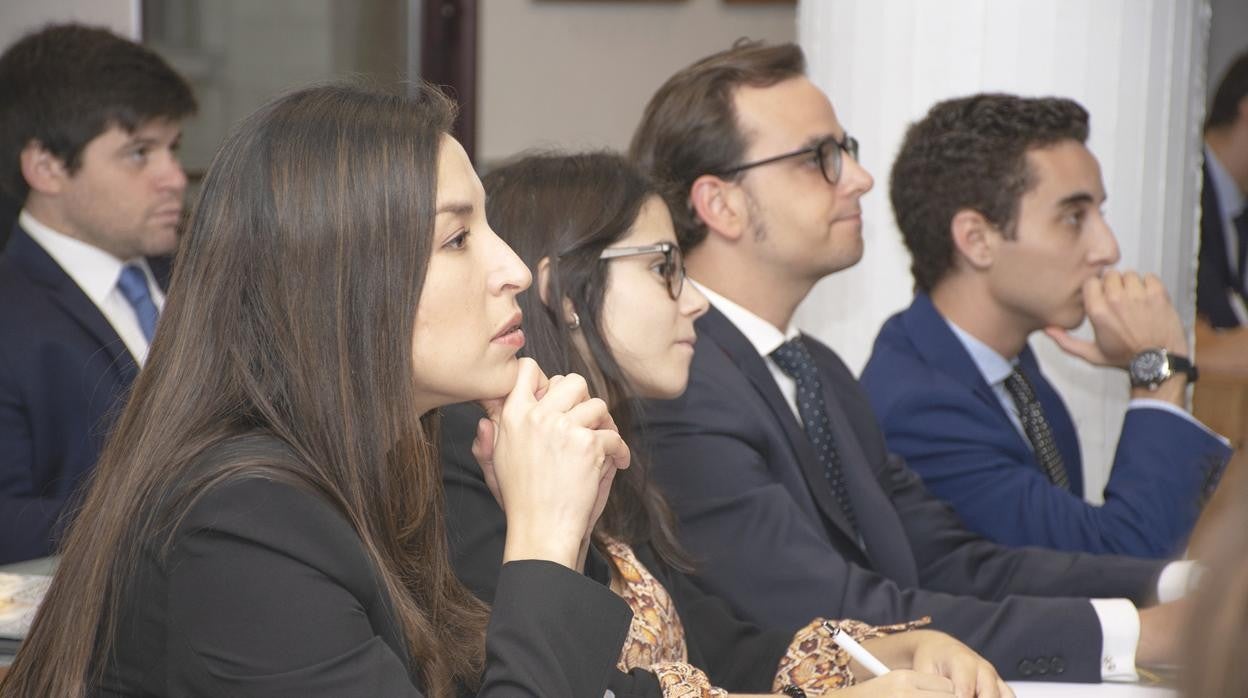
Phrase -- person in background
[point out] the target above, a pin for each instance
(267, 519)
(1000, 204)
(610, 303)
(89, 131)
(1220, 287)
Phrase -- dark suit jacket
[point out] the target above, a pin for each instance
(267, 591)
(735, 655)
(63, 371)
(942, 417)
(755, 507)
(1217, 274)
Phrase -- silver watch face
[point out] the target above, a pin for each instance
(1149, 367)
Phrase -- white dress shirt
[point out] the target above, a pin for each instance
(96, 272)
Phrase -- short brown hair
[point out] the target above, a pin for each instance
(690, 125)
(971, 153)
(67, 83)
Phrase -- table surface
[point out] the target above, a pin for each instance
(1035, 689)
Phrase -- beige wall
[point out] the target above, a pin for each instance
(577, 74)
(17, 17)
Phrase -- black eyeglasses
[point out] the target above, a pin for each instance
(826, 152)
(672, 269)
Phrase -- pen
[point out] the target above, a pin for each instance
(856, 650)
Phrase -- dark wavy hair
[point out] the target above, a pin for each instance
(689, 127)
(568, 209)
(66, 84)
(970, 153)
(290, 314)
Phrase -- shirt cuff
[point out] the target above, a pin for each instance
(1120, 633)
(1177, 578)
(1153, 403)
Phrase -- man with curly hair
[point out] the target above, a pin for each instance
(1000, 203)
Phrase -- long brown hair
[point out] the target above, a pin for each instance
(569, 208)
(1216, 629)
(291, 312)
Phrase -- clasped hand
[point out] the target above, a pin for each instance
(549, 453)
(1129, 313)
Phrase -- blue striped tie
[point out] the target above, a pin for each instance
(133, 286)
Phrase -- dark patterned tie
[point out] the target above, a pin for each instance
(1037, 428)
(793, 358)
(133, 287)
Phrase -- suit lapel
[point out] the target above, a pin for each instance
(878, 522)
(45, 272)
(746, 357)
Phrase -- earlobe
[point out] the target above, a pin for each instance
(973, 238)
(715, 202)
(44, 172)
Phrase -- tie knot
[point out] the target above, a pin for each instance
(793, 358)
(1019, 387)
(133, 284)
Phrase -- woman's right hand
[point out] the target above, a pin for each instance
(549, 453)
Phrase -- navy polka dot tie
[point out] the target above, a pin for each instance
(795, 360)
(1037, 428)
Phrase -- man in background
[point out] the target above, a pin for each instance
(89, 126)
(1221, 286)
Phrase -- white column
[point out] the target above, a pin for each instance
(1137, 65)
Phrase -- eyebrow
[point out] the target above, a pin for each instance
(459, 208)
(1077, 199)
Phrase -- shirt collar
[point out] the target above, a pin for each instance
(1230, 198)
(94, 270)
(992, 366)
(763, 335)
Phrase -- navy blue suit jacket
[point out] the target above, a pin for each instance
(63, 373)
(1217, 274)
(940, 414)
(757, 513)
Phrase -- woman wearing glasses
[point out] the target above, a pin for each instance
(267, 516)
(610, 302)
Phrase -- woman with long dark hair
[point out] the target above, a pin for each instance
(267, 516)
(610, 303)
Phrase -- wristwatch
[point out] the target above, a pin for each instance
(1152, 367)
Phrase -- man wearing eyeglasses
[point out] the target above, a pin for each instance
(773, 461)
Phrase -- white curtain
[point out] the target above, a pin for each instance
(1137, 65)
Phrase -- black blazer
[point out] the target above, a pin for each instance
(735, 655)
(268, 592)
(754, 505)
(64, 373)
(1217, 274)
